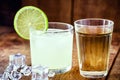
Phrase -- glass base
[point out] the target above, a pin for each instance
(93, 74)
(59, 71)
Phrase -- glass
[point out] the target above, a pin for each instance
(52, 48)
(93, 37)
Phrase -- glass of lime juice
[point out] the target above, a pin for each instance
(52, 48)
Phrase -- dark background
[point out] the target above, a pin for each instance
(64, 10)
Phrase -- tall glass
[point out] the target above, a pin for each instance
(93, 37)
(52, 48)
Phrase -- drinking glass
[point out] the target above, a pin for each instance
(52, 48)
(93, 37)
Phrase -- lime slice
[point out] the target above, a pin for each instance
(29, 16)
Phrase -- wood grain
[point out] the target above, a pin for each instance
(64, 10)
(29, 2)
(114, 73)
(11, 43)
(56, 10)
(98, 9)
(71, 10)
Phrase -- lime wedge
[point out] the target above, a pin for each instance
(29, 16)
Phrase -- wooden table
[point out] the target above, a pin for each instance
(11, 43)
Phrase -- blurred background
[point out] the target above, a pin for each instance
(64, 10)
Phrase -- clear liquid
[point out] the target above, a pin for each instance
(93, 52)
(53, 50)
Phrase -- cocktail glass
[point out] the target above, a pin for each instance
(93, 44)
(52, 48)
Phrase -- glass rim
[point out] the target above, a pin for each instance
(68, 28)
(111, 23)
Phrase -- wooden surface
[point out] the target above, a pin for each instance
(98, 9)
(56, 10)
(71, 10)
(11, 43)
(114, 73)
(64, 10)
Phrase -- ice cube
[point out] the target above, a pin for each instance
(51, 73)
(17, 60)
(26, 70)
(11, 68)
(15, 75)
(5, 76)
(39, 73)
